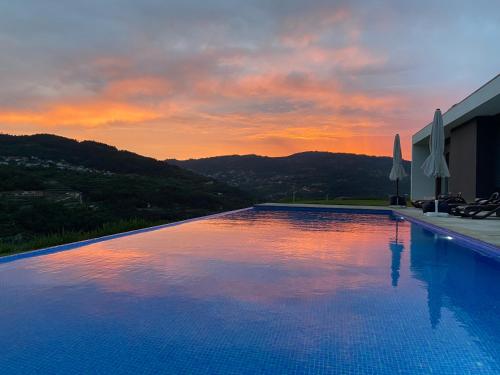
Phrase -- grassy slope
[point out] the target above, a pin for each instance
(49, 240)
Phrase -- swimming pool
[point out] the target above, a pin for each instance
(255, 291)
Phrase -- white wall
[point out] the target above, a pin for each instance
(421, 186)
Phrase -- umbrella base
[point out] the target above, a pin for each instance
(395, 200)
(437, 214)
(436, 207)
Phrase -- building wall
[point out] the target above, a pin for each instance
(497, 158)
(488, 156)
(445, 182)
(469, 151)
(463, 142)
(422, 187)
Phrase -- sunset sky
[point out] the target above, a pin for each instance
(210, 77)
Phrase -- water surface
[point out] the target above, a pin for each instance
(259, 291)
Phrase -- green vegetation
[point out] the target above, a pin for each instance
(48, 240)
(347, 202)
(307, 175)
(55, 190)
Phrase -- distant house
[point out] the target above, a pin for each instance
(472, 131)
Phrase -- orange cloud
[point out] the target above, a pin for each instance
(273, 104)
(87, 114)
(141, 86)
(297, 31)
(295, 86)
(113, 105)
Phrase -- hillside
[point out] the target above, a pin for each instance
(89, 154)
(312, 175)
(51, 184)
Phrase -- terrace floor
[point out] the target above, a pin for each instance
(486, 230)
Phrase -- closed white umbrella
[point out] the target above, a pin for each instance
(435, 164)
(397, 172)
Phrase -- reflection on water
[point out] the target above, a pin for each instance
(396, 248)
(432, 265)
(256, 291)
(457, 279)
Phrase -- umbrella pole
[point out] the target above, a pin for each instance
(397, 191)
(437, 192)
(438, 187)
(397, 222)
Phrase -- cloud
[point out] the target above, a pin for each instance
(205, 78)
(88, 114)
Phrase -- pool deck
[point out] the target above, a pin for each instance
(486, 231)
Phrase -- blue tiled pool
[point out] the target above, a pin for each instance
(257, 291)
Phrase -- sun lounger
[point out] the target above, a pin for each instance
(493, 198)
(487, 213)
(475, 210)
(478, 206)
(448, 200)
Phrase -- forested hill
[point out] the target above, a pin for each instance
(51, 185)
(86, 153)
(312, 175)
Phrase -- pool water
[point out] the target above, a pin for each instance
(258, 291)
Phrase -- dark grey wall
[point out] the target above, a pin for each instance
(497, 159)
(487, 155)
(463, 160)
(445, 182)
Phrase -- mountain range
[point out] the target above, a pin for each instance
(310, 175)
